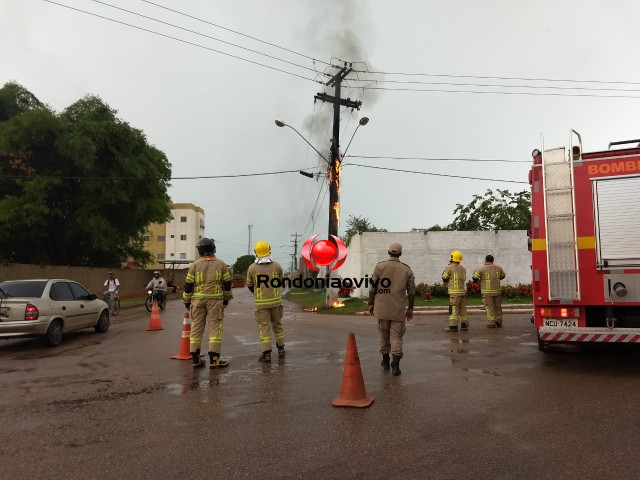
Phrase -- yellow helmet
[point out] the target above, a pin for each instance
(262, 249)
(456, 256)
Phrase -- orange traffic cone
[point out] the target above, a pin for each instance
(154, 321)
(353, 393)
(184, 354)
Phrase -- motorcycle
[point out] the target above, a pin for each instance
(152, 295)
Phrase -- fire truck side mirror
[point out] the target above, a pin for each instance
(575, 151)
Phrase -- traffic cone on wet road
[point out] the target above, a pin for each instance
(353, 393)
(154, 321)
(184, 341)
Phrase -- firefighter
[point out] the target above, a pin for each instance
(455, 276)
(388, 303)
(207, 291)
(264, 278)
(489, 276)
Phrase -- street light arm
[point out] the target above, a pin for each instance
(363, 121)
(280, 123)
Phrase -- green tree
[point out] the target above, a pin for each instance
(79, 187)
(434, 228)
(358, 225)
(242, 265)
(501, 210)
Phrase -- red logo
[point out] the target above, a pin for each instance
(324, 253)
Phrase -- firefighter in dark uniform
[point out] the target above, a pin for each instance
(207, 291)
(388, 305)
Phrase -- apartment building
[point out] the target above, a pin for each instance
(176, 240)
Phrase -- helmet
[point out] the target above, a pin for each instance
(456, 256)
(262, 249)
(206, 246)
(156, 274)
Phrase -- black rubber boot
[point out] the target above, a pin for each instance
(216, 362)
(281, 352)
(385, 362)
(196, 360)
(265, 357)
(395, 366)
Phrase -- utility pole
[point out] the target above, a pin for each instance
(334, 166)
(295, 250)
(249, 245)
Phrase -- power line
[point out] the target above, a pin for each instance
(490, 77)
(182, 41)
(236, 32)
(434, 174)
(438, 159)
(495, 85)
(206, 36)
(147, 177)
(536, 94)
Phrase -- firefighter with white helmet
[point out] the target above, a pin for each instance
(455, 276)
(264, 280)
(207, 291)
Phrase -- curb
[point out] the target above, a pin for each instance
(521, 311)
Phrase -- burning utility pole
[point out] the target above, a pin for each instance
(334, 166)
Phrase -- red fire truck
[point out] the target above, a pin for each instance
(585, 244)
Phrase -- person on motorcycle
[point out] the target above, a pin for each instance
(158, 286)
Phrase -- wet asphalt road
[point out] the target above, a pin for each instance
(477, 404)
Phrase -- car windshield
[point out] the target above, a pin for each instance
(31, 288)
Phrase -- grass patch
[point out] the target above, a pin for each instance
(311, 298)
(471, 300)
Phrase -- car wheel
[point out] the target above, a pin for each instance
(53, 337)
(103, 322)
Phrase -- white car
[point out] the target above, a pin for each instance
(47, 308)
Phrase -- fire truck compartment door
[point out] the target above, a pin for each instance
(617, 216)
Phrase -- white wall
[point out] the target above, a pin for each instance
(428, 253)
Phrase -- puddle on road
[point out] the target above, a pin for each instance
(457, 344)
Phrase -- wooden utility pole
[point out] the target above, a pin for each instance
(334, 165)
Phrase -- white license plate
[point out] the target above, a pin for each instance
(554, 322)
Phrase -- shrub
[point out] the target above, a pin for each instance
(421, 289)
(473, 288)
(345, 292)
(438, 290)
(523, 290)
(508, 291)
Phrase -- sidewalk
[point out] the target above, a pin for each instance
(522, 309)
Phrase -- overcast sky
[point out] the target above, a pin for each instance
(214, 115)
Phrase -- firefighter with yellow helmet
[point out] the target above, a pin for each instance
(264, 280)
(207, 291)
(455, 276)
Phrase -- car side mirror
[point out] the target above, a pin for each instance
(93, 296)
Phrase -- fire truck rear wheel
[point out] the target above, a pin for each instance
(542, 345)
